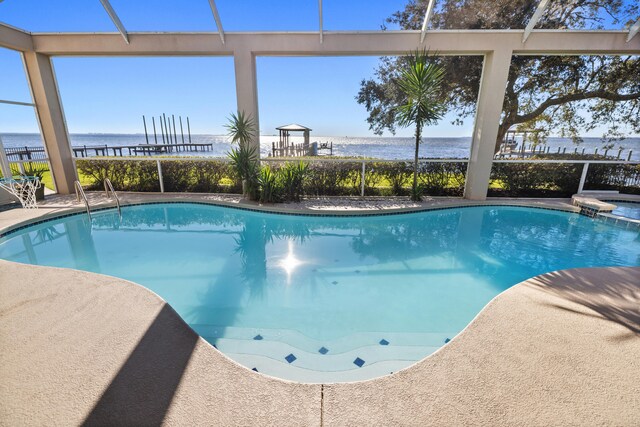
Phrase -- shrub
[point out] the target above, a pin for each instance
(292, 180)
(623, 178)
(134, 175)
(139, 175)
(397, 174)
(442, 178)
(530, 179)
(270, 187)
(327, 178)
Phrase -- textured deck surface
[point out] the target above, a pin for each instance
(559, 349)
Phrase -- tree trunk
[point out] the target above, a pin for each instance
(502, 130)
(415, 165)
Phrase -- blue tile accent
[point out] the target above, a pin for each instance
(447, 340)
(335, 282)
(290, 358)
(359, 362)
(258, 337)
(384, 342)
(254, 369)
(323, 350)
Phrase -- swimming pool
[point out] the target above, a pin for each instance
(312, 298)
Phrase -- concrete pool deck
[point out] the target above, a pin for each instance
(558, 349)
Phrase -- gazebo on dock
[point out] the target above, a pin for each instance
(286, 148)
(286, 130)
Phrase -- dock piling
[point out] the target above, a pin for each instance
(146, 136)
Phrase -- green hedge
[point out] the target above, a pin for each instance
(623, 178)
(322, 178)
(134, 175)
(326, 178)
(534, 180)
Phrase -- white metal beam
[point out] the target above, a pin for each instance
(320, 17)
(216, 16)
(15, 38)
(116, 21)
(534, 19)
(633, 30)
(374, 43)
(427, 17)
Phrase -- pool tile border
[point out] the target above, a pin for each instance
(353, 214)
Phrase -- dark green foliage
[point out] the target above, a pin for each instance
(327, 178)
(134, 175)
(291, 178)
(537, 180)
(442, 179)
(396, 173)
(244, 162)
(623, 178)
(270, 186)
(550, 93)
(178, 175)
(194, 176)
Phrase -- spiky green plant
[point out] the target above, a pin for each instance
(241, 128)
(244, 159)
(420, 83)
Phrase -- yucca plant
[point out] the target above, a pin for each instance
(244, 159)
(244, 162)
(241, 128)
(420, 82)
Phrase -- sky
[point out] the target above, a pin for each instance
(110, 95)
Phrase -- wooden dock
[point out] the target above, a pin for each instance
(36, 153)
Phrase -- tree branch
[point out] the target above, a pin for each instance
(611, 96)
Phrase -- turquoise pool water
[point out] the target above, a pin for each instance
(627, 209)
(324, 298)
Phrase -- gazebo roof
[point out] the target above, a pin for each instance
(294, 127)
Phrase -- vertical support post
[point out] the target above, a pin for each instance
(155, 136)
(44, 90)
(362, 179)
(160, 180)
(495, 72)
(583, 177)
(166, 128)
(146, 136)
(175, 137)
(5, 167)
(189, 129)
(247, 89)
(181, 130)
(162, 130)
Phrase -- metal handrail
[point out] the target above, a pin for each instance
(109, 187)
(79, 194)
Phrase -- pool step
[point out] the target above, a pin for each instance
(326, 360)
(290, 372)
(336, 345)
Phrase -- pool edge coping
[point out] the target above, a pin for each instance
(63, 212)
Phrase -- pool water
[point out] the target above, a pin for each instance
(322, 299)
(627, 209)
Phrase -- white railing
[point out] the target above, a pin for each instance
(363, 162)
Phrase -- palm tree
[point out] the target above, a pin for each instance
(420, 82)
